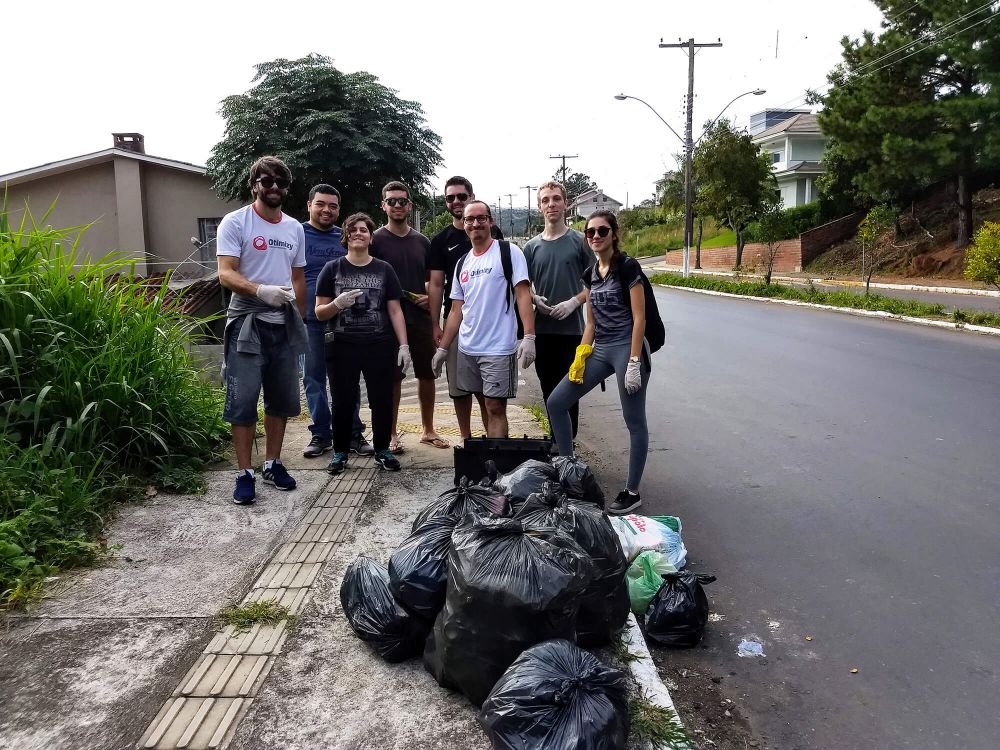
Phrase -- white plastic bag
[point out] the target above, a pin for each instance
(657, 533)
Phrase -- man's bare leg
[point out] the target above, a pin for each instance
(482, 410)
(497, 409)
(274, 436)
(426, 393)
(397, 394)
(243, 443)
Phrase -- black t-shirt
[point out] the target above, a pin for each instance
(367, 320)
(408, 257)
(447, 248)
(610, 300)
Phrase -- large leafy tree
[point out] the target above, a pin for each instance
(346, 129)
(916, 103)
(577, 183)
(734, 180)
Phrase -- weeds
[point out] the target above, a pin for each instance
(538, 412)
(656, 725)
(181, 479)
(620, 650)
(248, 614)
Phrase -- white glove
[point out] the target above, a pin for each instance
(345, 300)
(633, 378)
(541, 305)
(403, 359)
(565, 309)
(275, 296)
(438, 360)
(526, 351)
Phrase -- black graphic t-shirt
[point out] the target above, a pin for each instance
(367, 320)
(610, 301)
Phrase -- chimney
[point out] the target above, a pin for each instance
(130, 142)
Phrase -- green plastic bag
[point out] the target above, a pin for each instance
(645, 577)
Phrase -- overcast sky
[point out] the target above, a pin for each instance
(505, 85)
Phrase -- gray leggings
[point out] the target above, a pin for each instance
(605, 360)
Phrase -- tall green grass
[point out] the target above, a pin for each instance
(95, 387)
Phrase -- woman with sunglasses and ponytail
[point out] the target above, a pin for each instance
(612, 344)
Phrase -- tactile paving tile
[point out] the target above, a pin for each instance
(258, 640)
(304, 552)
(194, 723)
(225, 676)
(319, 532)
(287, 575)
(294, 599)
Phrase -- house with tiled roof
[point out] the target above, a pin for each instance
(591, 200)
(794, 146)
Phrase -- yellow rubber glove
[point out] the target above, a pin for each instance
(580, 363)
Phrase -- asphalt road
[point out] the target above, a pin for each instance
(839, 475)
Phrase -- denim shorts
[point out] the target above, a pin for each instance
(275, 369)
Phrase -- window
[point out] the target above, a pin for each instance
(207, 229)
(775, 157)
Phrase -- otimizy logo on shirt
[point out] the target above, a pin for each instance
(467, 275)
(262, 243)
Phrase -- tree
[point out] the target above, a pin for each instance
(734, 180)
(577, 183)
(982, 259)
(772, 227)
(918, 103)
(876, 240)
(346, 129)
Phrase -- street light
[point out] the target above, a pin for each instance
(689, 144)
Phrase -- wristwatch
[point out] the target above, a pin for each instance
(633, 359)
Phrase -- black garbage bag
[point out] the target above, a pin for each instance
(604, 606)
(465, 498)
(558, 697)
(525, 479)
(375, 616)
(578, 480)
(418, 569)
(511, 584)
(679, 612)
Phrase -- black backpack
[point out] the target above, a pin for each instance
(655, 333)
(508, 274)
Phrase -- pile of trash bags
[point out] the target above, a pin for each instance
(500, 583)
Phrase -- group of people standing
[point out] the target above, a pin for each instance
(359, 300)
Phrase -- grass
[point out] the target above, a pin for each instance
(620, 651)
(657, 239)
(538, 412)
(98, 395)
(248, 614)
(656, 725)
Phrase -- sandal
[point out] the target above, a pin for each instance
(396, 445)
(437, 441)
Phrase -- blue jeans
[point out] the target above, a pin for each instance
(314, 381)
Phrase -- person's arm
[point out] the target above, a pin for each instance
(397, 320)
(588, 328)
(435, 293)
(452, 324)
(523, 294)
(299, 286)
(325, 309)
(637, 296)
(231, 278)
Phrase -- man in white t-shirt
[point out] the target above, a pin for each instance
(261, 253)
(483, 318)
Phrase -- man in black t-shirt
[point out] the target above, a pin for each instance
(447, 248)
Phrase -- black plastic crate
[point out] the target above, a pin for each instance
(506, 453)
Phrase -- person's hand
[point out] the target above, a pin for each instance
(579, 365)
(565, 309)
(403, 359)
(345, 300)
(275, 296)
(541, 303)
(436, 333)
(526, 351)
(422, 301)
(633, 378)
(438, 360)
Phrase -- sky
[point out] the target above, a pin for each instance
(506, 86)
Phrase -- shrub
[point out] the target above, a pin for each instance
(982, 258)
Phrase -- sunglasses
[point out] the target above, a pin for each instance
(460, 197)
(470, 220)
(401, 202)
(602, 231)
(267, 182)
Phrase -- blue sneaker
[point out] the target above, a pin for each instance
(387, 461)
(245, 492)
(338, 463)
(279, 477)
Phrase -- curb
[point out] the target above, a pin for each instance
(967, 327)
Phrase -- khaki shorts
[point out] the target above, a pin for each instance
(494, 377)
(452, 372)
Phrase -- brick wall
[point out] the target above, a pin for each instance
(823, 237)
(789, 257)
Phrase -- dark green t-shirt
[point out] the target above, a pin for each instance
(555, 268)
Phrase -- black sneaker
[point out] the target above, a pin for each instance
(360, 445)
(337, 464)
(245, 492)
(625, 502)
(279, 477)
(317, 447)
(387, 461)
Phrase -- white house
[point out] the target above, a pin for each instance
(795, 146)
(588, 202)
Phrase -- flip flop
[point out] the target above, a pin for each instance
(436, 441)
(396, 445)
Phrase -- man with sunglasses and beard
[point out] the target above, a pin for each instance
(261, 253)
(447, 247)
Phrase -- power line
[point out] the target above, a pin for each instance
(564, 157)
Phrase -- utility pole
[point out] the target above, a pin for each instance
(527, 221)
(510, 204)
(690, 47)
(499, 213)
(564, 157)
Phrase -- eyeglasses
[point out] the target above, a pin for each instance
(601, 231)
(401, 202)
(460, 197)
(471, 220)
(267, 182)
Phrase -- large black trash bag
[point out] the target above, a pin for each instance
(465, 498)
(511, 584)
(578, 480)
(418, 569)
(679, 612)
(557, 697)
(604, 606)
(375, 616)
(524, 480)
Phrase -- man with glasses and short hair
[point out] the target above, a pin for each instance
(447, 247)
(406, 251)
(322, 237)
(261, 253)
(557, 259)
(483, 319)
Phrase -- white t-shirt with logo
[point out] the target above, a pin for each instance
(267, 250)
(486, 329)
